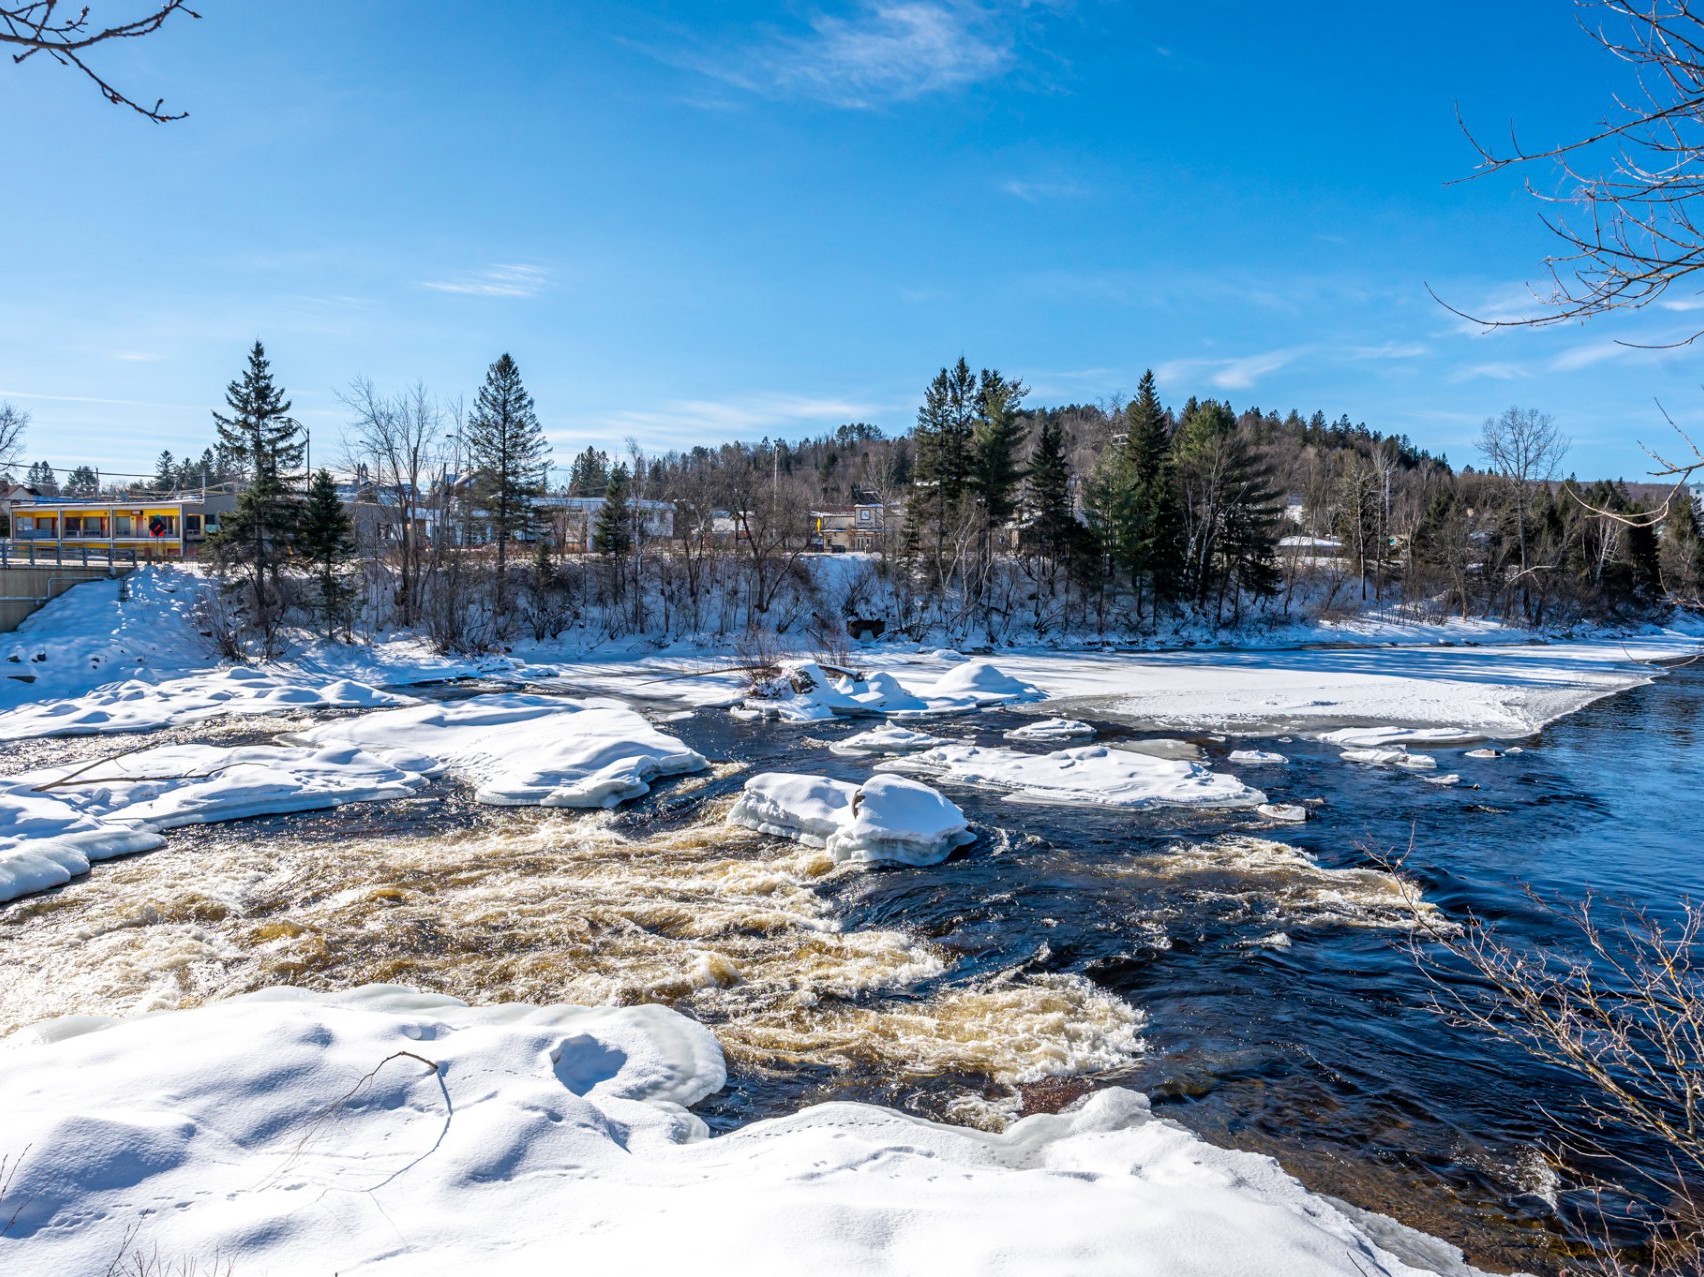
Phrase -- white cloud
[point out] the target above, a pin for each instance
(718, 421)
(514, 279)
(1389, 350)
(1496, 371)
(135, 356)
(1229, 374)
(1035, 191)
(887, 51)
(1588, 353)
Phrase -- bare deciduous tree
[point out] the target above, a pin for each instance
(67, 35)
(1524, 448)
(399, 441)
(13, 423)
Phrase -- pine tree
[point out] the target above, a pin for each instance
(612, 532)
(326, 539)
(165, 472)
(996, 439)
(1047, 493)
(509, 456)
(43, 479)
(589, 474)
(1135, 501)
(260, 534)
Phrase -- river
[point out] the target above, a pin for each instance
(1258, 984)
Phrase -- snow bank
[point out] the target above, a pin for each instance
(1088, 774)
(981, 683)
(887, 819)
(104, 631)
(885, 740)
(1050, 730)
(522, 751)
(134, 705)
(385, 1131)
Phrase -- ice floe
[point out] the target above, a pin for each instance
(383, 1130)
(806, 691)
(1052, 730)
(522, 751)
(1284, 813)
(1386, 737)
(134, 705)
(885, 740)
(1256, 758)
(1091, 774)
(1390, 758)
(887, 819)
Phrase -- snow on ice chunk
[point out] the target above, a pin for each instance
(523, 751)
(1088, 774)
(887, 819)
(1377, 737)
(1256, 757)
(133, 705)
(45, 842)
(178, 785)
(1284, 813)
(1390, 758)
(1049, 730)
(1482, 753)
(982, 683)
(885, 740)
(534, 1132)
(1449, 778)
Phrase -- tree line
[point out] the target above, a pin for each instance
(997, 521)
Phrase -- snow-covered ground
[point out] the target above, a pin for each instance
(385, 1131)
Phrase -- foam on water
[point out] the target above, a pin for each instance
(726, 925)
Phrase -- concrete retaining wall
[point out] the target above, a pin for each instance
(24, 589)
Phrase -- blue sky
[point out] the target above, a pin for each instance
(691, 222)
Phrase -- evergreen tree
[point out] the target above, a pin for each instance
(326, 539)
(509, 456)
(1047, 494)
(588, 476)
(260, 534)
(43, 479)
(1135, 501)
(165, 472)
(612, 531)
(82, 482)
(996, 439)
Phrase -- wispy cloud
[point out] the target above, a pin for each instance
(1496, 370)
(135, 356)
(1389, 350)
(114, 403)
(1240, 373)
(1588, 353)
(1034, 191)
(702, 419)
(886, 51)
(514, 279)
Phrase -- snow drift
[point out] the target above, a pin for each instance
(887, 819)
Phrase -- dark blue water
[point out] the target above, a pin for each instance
(1328, 1053)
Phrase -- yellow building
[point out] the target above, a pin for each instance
(148, 527)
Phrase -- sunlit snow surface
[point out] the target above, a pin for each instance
(381, 1130)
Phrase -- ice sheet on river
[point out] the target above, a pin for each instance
(381, 1130)
(523, 751)
(806, 691)
(1092, 774)
(887, 819)
(53, 822)
(135, 705)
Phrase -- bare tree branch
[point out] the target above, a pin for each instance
(41, 27)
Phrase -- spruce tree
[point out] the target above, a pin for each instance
(509, 457)
(943, 465)
(1047, 493)
(996, 439)
(612, 532)
(326, 539)
(260, 534)
(165, 472)
(589, 474)
(1683, 550)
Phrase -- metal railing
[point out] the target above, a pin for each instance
(34, 552)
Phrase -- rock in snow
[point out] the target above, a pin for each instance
(1088, 774)
(887, 819)
(522, 751)
(385, 1131)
